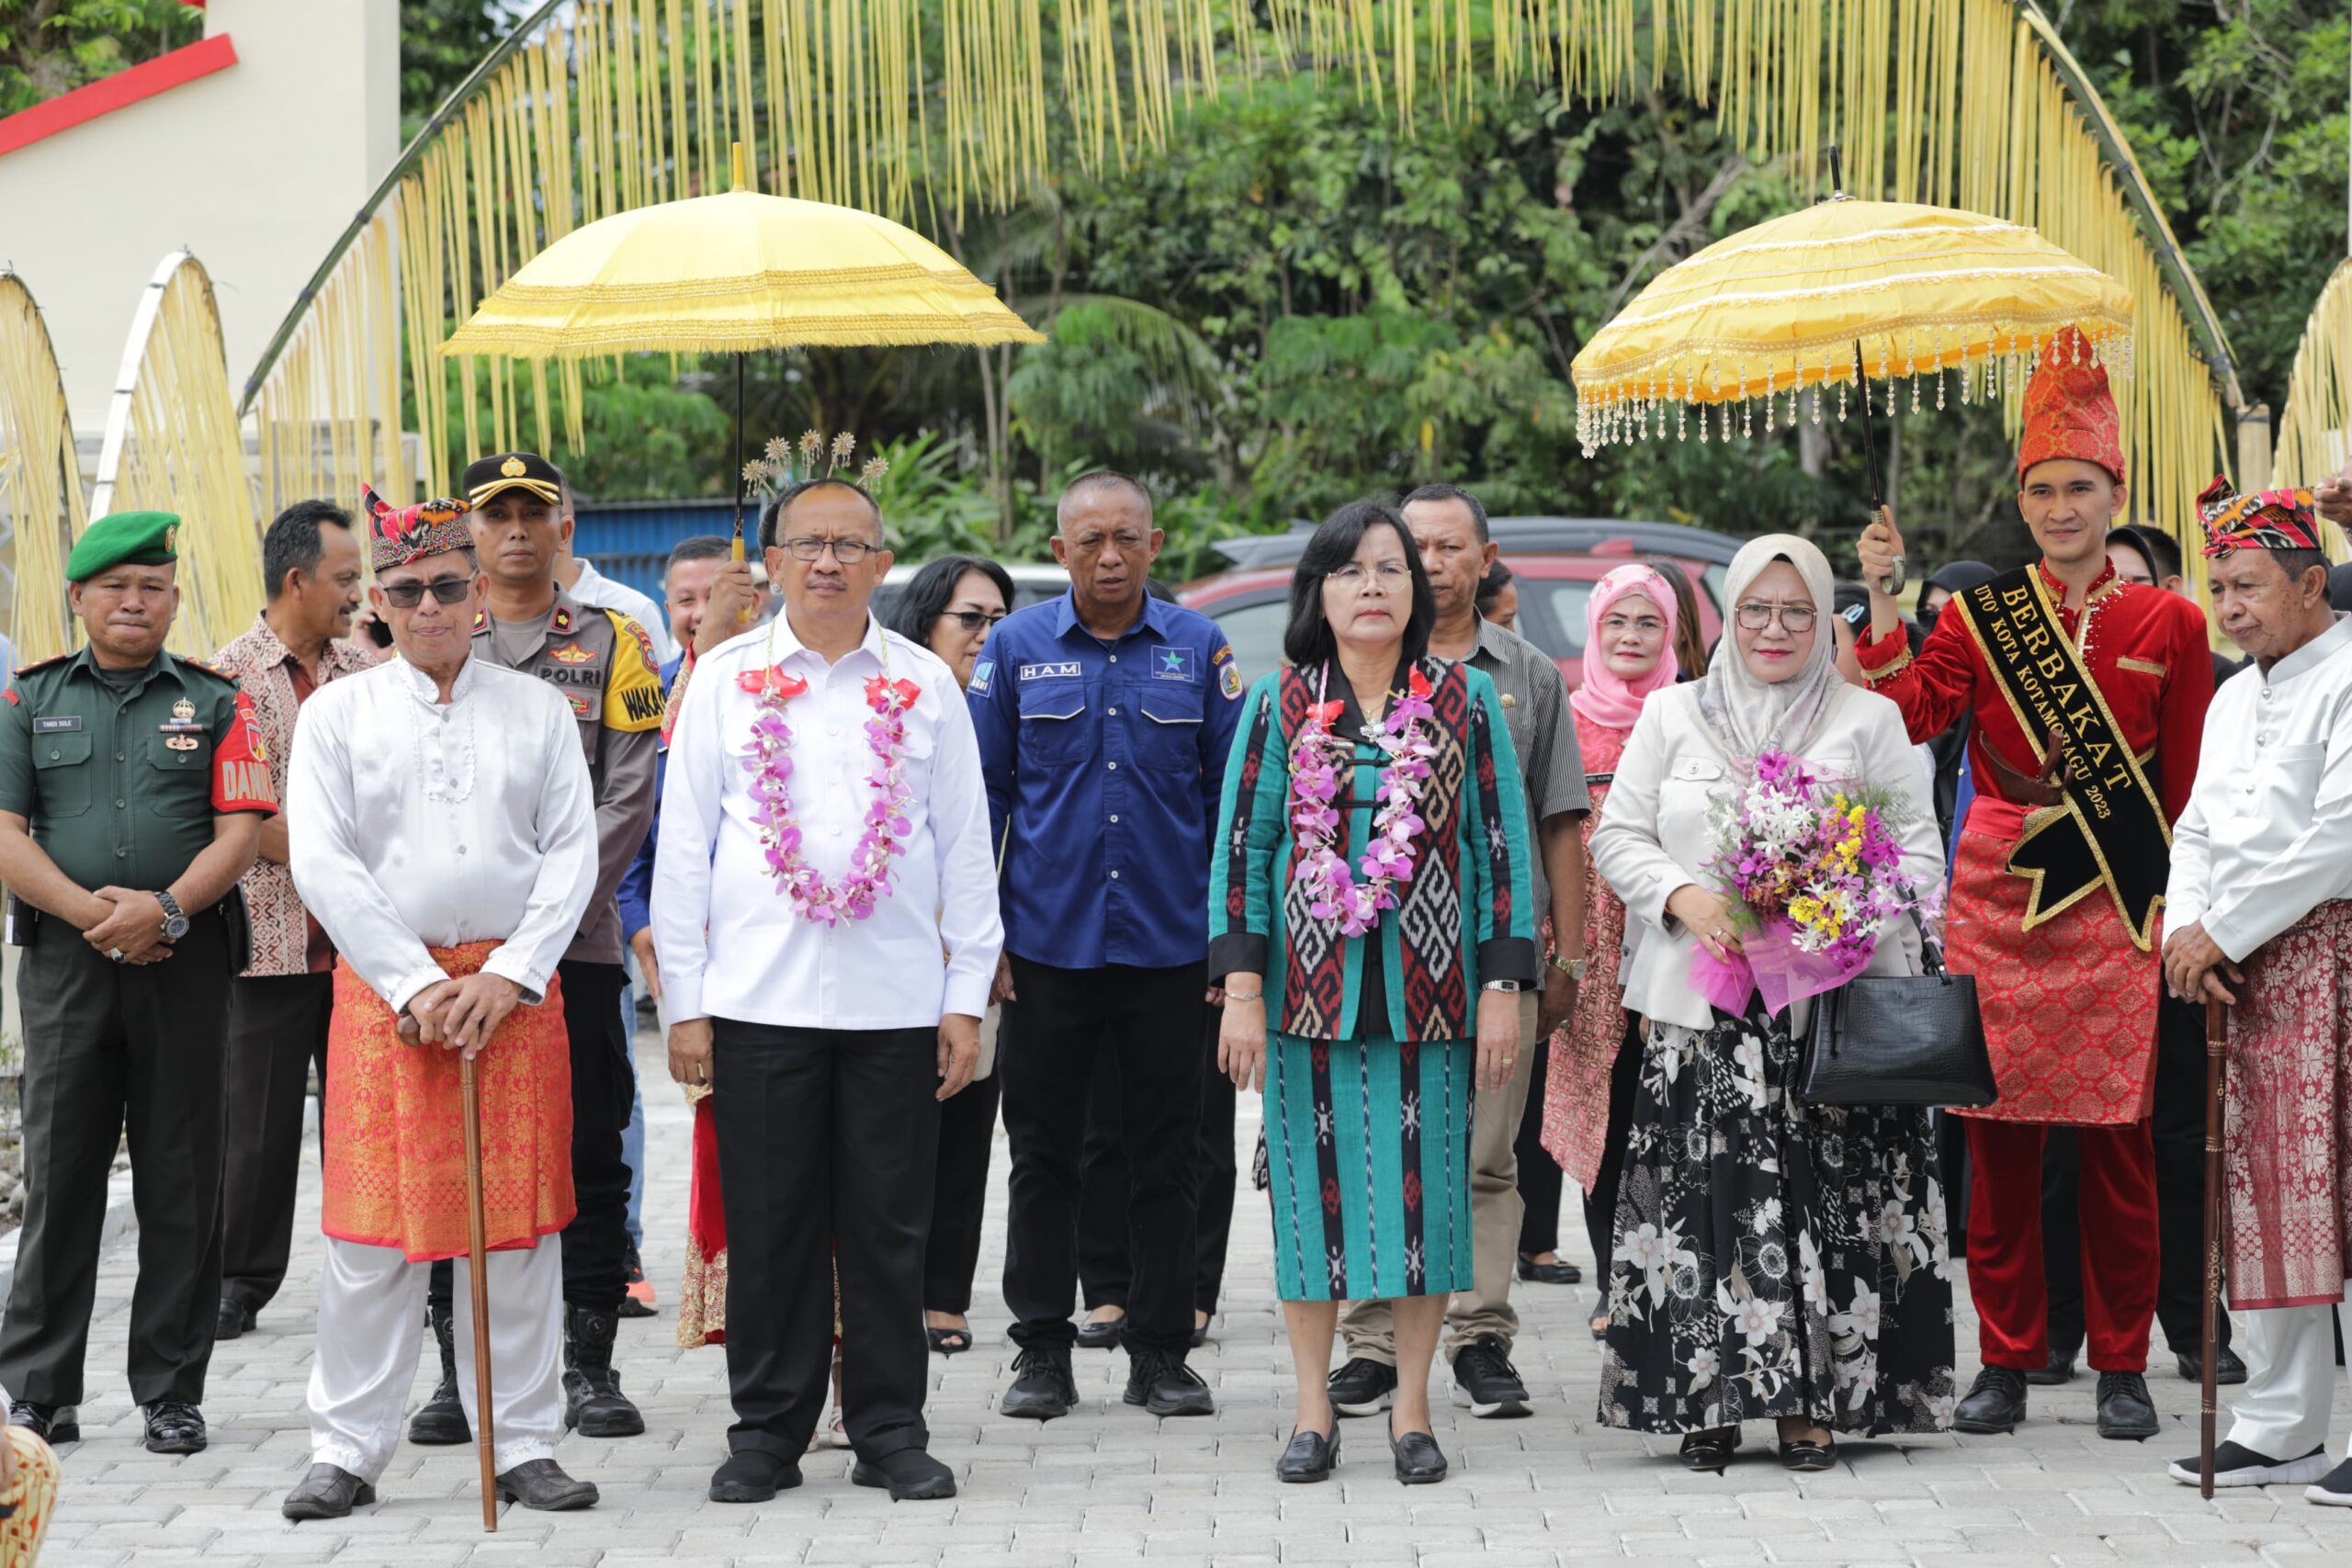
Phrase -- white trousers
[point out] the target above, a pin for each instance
(2289, 1378)
(371, 1325)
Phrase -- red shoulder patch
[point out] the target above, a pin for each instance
(13, 698)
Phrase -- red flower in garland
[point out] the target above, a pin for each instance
(898, 696)
(1325, 713)
(771, 678)
(1418, 685)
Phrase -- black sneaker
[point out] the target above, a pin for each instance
(2332, 1490)
(2234, 1464)
(1485, 1382)
(2124, 1408)
(1164, 1386)
(1996, 1401)
(1042, 1386)
(1363, 1387)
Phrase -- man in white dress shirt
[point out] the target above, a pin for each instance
(825, 917)
(2259, 917)
(447, 843)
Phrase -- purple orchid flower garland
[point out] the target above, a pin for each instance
(1315, 757)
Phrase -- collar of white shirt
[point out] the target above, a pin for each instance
(2311, 655)
(427, 691)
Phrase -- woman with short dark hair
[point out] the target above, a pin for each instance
(1372, 923)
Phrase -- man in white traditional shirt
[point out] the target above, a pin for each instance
(446, 840)
(2258, 916)
(825, 916)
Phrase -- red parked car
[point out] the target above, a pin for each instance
(1555, 560)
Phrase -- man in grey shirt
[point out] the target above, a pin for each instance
(1450, 526)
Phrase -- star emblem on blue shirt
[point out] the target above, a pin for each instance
(1174, 658)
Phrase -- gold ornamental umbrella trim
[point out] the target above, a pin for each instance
(716, 337)
(1841, 290)
(1928, 265)
(701, 289)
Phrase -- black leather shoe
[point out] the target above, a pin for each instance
(1418, 1461)
(442, 1418)
(541, 1483)
(1363, 1387)
(1309, 1457)
(329, 1492)
(1996, 1401)
(592, 1401)
(752, 1475)
(2227, 1367)
(235, 1320)
(1708, 1453)
(1164, 1386)
(2124, 1408)
(1803, 1454)
(1042, 1386)
(1101, 1334)
(634, 1273)
(1486, 1382)
(174, 1426)
(911, 1476)
(1560, 1273)
(2057, 1371)
(52, 1423)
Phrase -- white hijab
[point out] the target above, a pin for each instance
(1751, 715)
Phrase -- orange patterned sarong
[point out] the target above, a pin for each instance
(396, 1130)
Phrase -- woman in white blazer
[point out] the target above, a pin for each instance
(1772, 1261)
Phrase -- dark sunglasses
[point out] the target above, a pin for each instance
(972, 620)
(445, 590)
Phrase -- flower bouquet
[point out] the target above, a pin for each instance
(1816, 878)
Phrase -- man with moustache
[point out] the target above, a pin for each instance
(278, 1007)
(2089, 697)
(1450, 528)
(1105, 717)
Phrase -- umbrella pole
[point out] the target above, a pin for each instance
(743, 615)
(1892, 584)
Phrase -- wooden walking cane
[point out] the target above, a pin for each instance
(485, 1425)
(2216, 1071)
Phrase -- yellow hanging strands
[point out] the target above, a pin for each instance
(40, 480)
(2315, 430)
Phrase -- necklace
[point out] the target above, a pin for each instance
(1315, 757)
(885, 821)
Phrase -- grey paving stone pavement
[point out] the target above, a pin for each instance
(1110, 1487)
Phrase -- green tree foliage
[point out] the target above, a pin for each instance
(49, 47)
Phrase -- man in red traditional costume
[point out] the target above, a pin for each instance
(2258, 915)
(2088, 696)
(446, 840)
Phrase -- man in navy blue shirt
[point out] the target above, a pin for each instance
(1105, 719)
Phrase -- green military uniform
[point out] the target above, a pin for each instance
(120, 774)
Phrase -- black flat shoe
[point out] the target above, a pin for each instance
(329, 1492)
(2058, 1370)
(1200, 1334)
(2227, 1369)
(950, 1341)
(233, 1321)
(1599, 1328)
(1804, 1454)
(1561, 1273)
(1420, 1462)
(541, 1484)
(1708, 1453)
(1309, 1457)
(752, 1475)
(1101, 1334)
(911, 1476)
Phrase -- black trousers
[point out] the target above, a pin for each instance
(278, 1030)
(1539, 1174)
(827, 1144)
(1601, 1204)
(959, 1192)
(1066, 1023)
(596, 1244)
(2178, 1125)
(110, 1049)
(1104, 1276)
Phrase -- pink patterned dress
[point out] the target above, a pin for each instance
(1575, 1091)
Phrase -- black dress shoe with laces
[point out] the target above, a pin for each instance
(1164, 1386)
(174, 1426)
(1042, 1386)
(2054, 1372)
(1995, 1402)
(2125, 1411)
(329, 1492)
(52, 1423)
(1485, 1382)
(1420, 1462)
(911, 1476)
(1308, 1457)
(752, 1475)
(541, 1483)
(1362, 1387)
(2227, 1367)
(235, 1318)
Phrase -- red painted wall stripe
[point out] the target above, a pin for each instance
(117, 91)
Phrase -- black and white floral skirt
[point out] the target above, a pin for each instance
(1774, 1258)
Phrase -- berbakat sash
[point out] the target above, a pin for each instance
(2111, 829)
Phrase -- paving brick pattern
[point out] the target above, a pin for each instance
(1109, 1487)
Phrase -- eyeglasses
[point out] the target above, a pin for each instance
(849, 552)
(445, 590)
(1755, 616)
(1617, 625)
(972, 620)
(1392, 574)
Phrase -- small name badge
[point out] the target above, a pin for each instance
(58, 725)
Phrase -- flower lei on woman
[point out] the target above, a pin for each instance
(770, 764)
(1315, 757)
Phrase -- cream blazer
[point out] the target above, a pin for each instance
(1655, 836)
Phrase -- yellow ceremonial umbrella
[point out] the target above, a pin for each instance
(731, 273)
(1763, 321)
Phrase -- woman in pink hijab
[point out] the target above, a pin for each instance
(1628, 654)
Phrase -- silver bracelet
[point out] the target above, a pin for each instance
(1245, 996)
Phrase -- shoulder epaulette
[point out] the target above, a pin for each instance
(42, 663)
(213, 670)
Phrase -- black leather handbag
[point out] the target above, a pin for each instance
(1898, 1040)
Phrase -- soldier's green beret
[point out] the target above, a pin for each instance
(140, 538)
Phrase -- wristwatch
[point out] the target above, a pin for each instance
(1573, 969)
(1501, 986)
(175, 919)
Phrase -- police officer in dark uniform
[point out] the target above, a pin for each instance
(131, 794)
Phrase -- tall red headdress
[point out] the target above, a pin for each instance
(2069, 411)
(399, 535)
